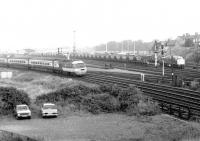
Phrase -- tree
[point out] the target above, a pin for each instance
(189, 42)
(196, 57)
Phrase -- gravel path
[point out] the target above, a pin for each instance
(103, 127)
(73, 128)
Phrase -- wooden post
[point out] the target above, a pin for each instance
(170, 109)
(189, 113)
(179, 112)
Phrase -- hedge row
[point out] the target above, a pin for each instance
(10, 97)
(105, 98)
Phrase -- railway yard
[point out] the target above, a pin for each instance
(84, 126)
(73, 70)
(175, 96)
(176, 100)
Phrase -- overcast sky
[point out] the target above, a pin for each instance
(50, 23)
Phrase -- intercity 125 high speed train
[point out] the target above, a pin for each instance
(69, 67)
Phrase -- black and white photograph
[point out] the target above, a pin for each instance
(99, 70)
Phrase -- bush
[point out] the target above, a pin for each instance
(112, 89)
(148, 108)
(68, 93)
(100, 103)
(106, 98)
(10, 97)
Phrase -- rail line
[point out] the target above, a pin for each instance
(183, 101)
(186, 74)
(175, 100)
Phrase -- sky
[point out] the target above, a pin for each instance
(49, 24)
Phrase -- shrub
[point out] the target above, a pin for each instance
(106, 98)
(148, 108)
(112, 89)
(129, 97)
(68, 93)
(10, 97)
(100, 103)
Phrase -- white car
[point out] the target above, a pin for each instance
(22, 111)
(49, 110)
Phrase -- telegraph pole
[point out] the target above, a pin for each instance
(162, 52)
(155, 51)
(172, 68)
(74, 42)
(106, 47)
(122, 47)
(128, 47)
(134, 47)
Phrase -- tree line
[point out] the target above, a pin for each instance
(124, 46)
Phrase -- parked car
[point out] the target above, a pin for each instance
(49, 110)
(22, 111)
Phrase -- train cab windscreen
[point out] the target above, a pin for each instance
(79, 65)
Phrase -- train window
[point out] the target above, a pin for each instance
(79, 65)
(67, 65)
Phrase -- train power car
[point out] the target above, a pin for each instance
(77, 68)
(70, 67)
(175, 61)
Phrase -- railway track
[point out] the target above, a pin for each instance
(185, 74)
(176, 100)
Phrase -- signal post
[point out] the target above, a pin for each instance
(162, 53)
(156, 53)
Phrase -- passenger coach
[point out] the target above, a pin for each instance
(69, 67)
